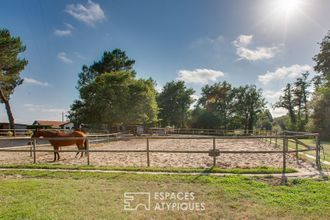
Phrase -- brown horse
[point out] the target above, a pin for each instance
(81, 143)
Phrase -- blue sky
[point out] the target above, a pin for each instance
(267, 43)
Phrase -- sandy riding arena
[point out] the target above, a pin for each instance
(247, 160)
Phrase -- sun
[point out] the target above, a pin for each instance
(287, 6)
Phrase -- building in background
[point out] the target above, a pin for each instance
(52, 124)
(5, 125)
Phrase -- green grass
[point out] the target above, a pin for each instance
(80, 195)
(256, 170)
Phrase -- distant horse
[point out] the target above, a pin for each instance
(81, 143)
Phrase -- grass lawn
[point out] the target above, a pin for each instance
(67, 195)
(256, 170)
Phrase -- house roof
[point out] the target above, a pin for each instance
(65, 123)
(53, 124)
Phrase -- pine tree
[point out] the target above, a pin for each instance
(10, 67)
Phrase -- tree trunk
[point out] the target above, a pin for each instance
(9, 112)
(250, 125)
(246, 123)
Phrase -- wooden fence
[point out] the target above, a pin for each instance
(280, 141)
(213, 132)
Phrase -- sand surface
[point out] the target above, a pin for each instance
(167, 159)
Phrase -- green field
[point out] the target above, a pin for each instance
(77, 195)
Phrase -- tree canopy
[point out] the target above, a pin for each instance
(321, 97)
(174, 103)
(226, 107)
(219, 99)
(115, 97)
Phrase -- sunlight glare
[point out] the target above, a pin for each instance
(287, 6)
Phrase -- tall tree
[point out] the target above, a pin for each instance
(321, 96)
(286, 101)
(219, 99)
(265, 120)
(114, 97)
(322, 60)
(301, 93)
(10, 68)
(174, 102)
(111, 61)
(249, 103)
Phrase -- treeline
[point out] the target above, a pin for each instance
(111, 94)
(221, 106)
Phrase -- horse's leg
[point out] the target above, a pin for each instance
(82, 148)
(77, 151)
(54, 153)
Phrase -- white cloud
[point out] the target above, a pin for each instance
(243, 40)
(292, 72)
(62, 33)
(272, 96)
(90, 13)
(202, 76)
(35, 82)
(278, 112)
(159, 88)
(195, 97)
(195, 100)
(43, 108)
(259, 53)
(63, 57)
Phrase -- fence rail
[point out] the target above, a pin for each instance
(213, 152)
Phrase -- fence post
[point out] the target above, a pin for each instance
(148, 158)
(317, 155)
(87, 151)
(34, 150)
(284, 178)
(214, 156)
(31, 149)
(297, 153)
(276, 140)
